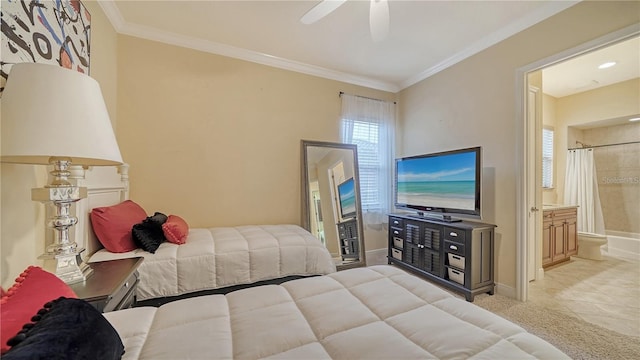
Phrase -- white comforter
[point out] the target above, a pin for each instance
(219, 257)
(365, 313)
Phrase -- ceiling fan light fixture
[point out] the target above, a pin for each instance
(379, 19)
(321, 10)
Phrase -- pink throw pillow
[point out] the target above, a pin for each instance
(113, 224)
(175, 229)
(31, 290)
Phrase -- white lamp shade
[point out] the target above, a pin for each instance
(50, 111)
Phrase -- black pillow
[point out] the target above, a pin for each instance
(148, 234)
(156, 220)
(66, 329)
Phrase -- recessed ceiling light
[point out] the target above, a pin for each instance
(607, 65)
(635, 119)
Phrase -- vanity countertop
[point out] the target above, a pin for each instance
(557, 206)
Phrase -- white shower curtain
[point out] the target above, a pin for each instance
(581, 188)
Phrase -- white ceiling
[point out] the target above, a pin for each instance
(425, 37)
(582, 73)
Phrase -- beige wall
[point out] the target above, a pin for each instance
(22, 230)
(474, 103)
(217, 140)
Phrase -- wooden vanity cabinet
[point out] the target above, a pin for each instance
(559, 235)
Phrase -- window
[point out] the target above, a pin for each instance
(547, 157)
(366, 137)
(369, 124)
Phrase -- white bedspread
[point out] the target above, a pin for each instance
(377, 312)
(219, 257)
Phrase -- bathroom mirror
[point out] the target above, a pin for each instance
(331, 200)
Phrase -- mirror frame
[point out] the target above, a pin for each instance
(306, 213)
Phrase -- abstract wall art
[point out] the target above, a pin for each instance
(44, 31)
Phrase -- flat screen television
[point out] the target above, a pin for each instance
(440, 184)
(347, 198)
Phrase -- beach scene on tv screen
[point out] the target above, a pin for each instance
(347, 197)
(446, 181)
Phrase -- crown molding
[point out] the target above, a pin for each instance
(149, 33)
(123, 27)
(515, 27)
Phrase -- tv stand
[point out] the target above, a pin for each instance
(440, 217)
(457, 255)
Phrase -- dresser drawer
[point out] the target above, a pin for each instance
(456, 235)
(397, 254)
(398, 242)
(454, 247)
(396, 222)
(120, 297)
(397, 232)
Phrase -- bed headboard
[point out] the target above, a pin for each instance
(106, 185)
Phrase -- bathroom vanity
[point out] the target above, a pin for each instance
(559, 234)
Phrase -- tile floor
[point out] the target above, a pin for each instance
(604, 292)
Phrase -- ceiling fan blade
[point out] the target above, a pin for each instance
(324, 8)
(379, 19)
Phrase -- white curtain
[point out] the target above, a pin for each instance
(581, 188)
(370, 124)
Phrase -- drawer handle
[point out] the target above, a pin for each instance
(453, 247)
(396, 222)
(396, 232)
(455, 257)
(453, 234)
(126, 284)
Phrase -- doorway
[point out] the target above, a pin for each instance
(529, 202)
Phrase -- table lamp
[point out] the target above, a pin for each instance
(55, 116)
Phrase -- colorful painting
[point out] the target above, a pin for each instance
(44, 31)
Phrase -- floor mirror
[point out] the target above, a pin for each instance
(331, 200)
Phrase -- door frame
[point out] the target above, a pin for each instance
(525, 179)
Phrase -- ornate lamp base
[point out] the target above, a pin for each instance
(62, 194)
(66, 267)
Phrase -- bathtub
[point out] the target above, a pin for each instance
(623, 244)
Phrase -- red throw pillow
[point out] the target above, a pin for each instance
(175, 229)
(32, 289)
(112, 225)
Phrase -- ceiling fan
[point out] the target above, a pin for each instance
(378, 15)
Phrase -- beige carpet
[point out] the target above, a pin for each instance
(575, 337)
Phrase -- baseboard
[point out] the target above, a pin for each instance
(376, 257)
(505, 290)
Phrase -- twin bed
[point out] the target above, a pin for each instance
(373, 312)
(223, 257)
(378, 312)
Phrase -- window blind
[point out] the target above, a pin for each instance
(547, 158)
(365, 136)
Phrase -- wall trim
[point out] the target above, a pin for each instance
(149, 33)
(523, 179)
(505, 290)
(544, 12)
(123, 27)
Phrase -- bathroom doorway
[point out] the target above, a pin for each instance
(531, 197)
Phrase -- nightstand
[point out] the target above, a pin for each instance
(112, 286)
